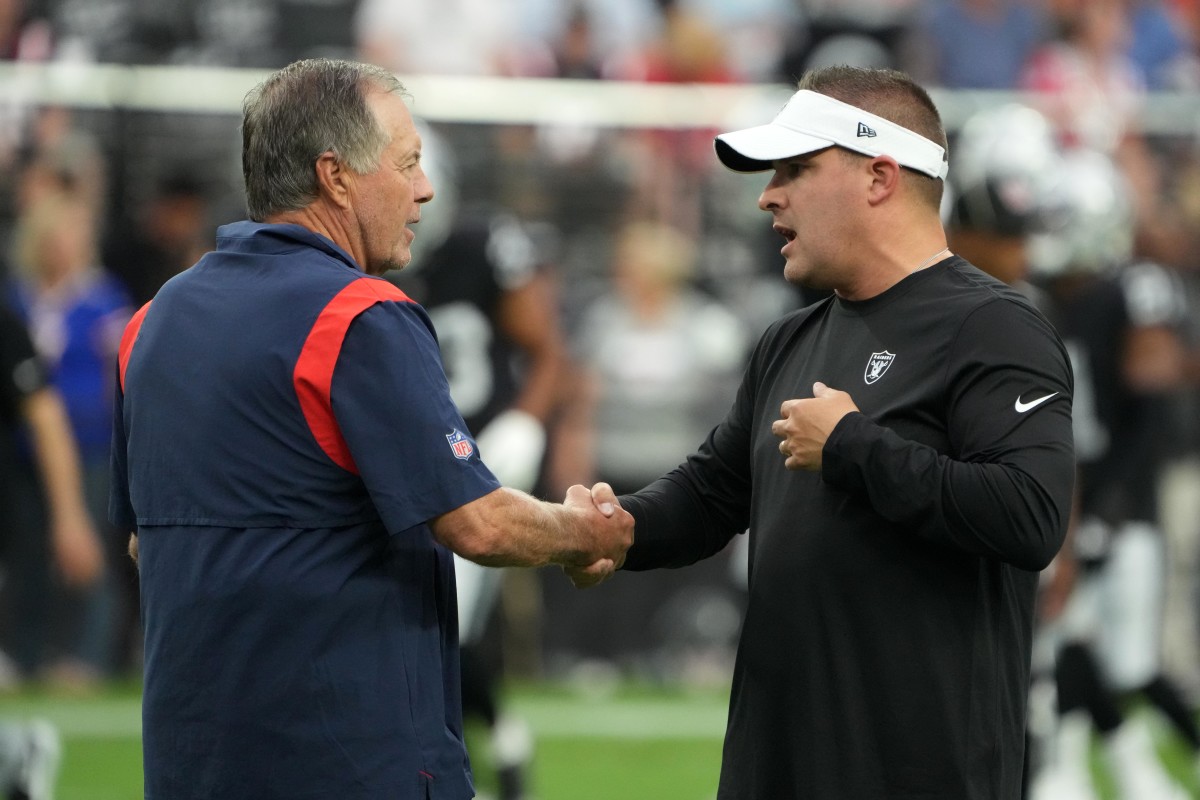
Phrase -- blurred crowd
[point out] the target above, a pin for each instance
(660, 277)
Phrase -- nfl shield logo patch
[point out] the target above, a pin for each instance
(460, 445)
(878, 364)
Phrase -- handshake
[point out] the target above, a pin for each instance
(605, 532)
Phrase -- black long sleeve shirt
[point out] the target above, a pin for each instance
(886, 647)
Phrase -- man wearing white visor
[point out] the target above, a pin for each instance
(900, 453)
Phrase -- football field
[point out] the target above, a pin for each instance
(633, 743)
(636, 744)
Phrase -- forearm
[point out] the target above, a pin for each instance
(508, 528)
(674, 526)
(74, 541)
(56, 456)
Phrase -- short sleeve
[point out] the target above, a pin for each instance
(392, 403)
(120, 507)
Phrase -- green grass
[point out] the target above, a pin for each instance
(637, 744)
(102, 743)
(630, 742)
(101, 769)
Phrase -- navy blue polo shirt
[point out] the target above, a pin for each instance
(283, 433)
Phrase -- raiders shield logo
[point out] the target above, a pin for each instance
(878, 364)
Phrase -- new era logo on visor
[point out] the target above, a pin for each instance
(865, 130)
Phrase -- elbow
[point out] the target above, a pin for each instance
(482, 544)
(474, 536)
(1040, 519)
(1040, 546)
(1040, 552)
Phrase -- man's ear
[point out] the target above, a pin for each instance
(333, 179)
(885, 178)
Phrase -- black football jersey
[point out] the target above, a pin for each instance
(461, 284)
(1119, 432)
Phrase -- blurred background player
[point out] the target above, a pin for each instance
(30, 406)
(484, 281)
(1120, 320)
(74, 310)
(1005, 192)
(996, 198)
(1004, 158)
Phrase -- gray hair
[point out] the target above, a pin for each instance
(305, 109)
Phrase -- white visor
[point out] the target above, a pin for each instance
(812, 121)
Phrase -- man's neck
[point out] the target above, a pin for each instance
(882, 267)
(318, 218)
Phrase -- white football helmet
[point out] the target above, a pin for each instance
(1091, 224)
(1002, 161)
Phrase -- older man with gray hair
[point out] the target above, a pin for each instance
(287, 452)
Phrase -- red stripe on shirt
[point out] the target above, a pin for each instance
(313, 375)
(127, 339)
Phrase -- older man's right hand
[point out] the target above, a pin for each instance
(612, 529)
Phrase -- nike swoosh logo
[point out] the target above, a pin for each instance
(1023, 407)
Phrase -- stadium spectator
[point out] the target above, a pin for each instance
(297, 475)
(1085, 83)
(862, 33)
(27, 39)
(75, 311)
(1161, 46)
(218, 33)
(1092, 91)
(658, 362)
(885, 650)
(582, 38)
(62, 157)
(574, 52)
(439, 37)
(755, 32)
(673, 164)
(23, 36)
(975, 44)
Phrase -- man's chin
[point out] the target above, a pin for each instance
(389, 265)
(795, 274)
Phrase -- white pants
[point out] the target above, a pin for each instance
(1118, 607)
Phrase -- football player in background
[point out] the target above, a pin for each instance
(1120, 319)
(484, 281)
(30, 751)
(1004, 192)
